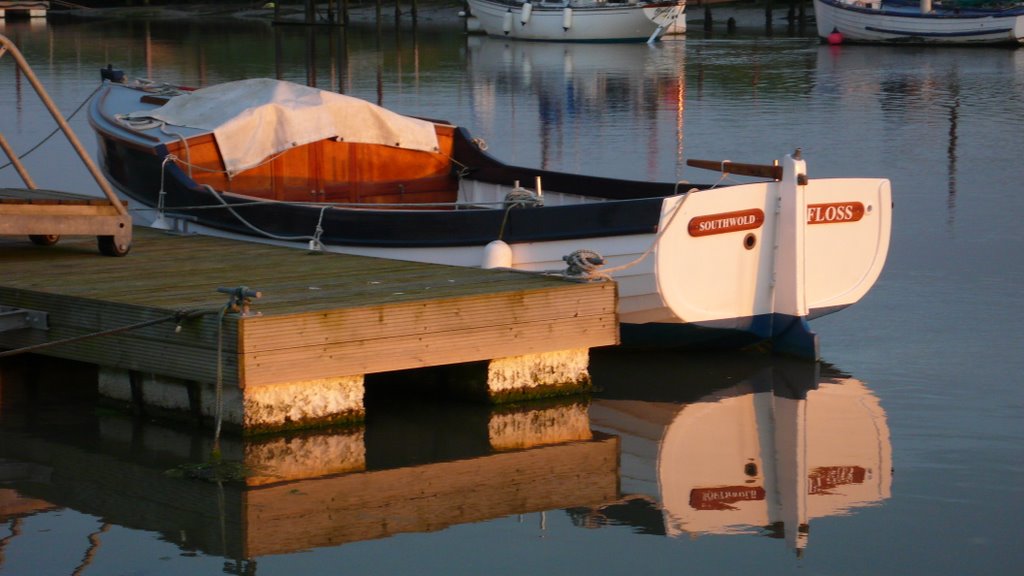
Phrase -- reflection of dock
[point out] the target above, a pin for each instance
(120, 476)
(772, 448)
(425, 498)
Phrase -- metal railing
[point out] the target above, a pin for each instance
(6, 45)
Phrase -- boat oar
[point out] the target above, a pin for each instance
(727, 167)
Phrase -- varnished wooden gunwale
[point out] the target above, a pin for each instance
(330, 171)
(320, 315)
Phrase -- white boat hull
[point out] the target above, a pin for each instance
(865, 22)
(587, 21)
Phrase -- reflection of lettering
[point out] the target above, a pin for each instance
(726, 222)
(832, 213)
(825, 478)
(721, 498)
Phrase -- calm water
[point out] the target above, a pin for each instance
(910, 437)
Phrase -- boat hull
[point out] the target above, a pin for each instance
(901, 24)
(579, 22)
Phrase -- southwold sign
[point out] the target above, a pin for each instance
(754, 218)
(726, 222)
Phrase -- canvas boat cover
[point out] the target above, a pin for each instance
(254, 119)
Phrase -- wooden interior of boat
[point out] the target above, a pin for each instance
(331, 171)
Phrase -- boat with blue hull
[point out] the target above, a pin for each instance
(924, 22)
(732, 265)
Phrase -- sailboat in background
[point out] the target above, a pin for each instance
(579, 20)
(902, 22)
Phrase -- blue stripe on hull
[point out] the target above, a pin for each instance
(967, 34)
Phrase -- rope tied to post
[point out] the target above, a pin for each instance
(583, 263)
(586, 263)
(239, 302)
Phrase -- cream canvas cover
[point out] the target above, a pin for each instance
(254, 119)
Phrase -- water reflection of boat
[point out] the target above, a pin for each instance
(900, 22)
(579, 93)
(416, 470)
(590, 79)
(778, 447)
(579, 20)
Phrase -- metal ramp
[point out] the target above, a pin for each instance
(45, 215)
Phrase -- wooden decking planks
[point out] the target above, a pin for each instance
(319, 316)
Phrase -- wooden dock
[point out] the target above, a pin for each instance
(165, 339)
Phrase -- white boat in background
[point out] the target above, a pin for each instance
(781, 446)
(580, 20)
(901, 22)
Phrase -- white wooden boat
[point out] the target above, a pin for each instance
(580, 20)
(900, 22)
(730, 265)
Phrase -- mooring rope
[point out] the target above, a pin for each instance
(518, 197)
(202, 168)
(55, 130)
(606, 273)
(657, 240)
(582, 264)
(358, 205)
(238, 301)
(218, 414)
(178, 317)
(257, 229)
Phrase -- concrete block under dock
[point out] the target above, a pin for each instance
(167, 343)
